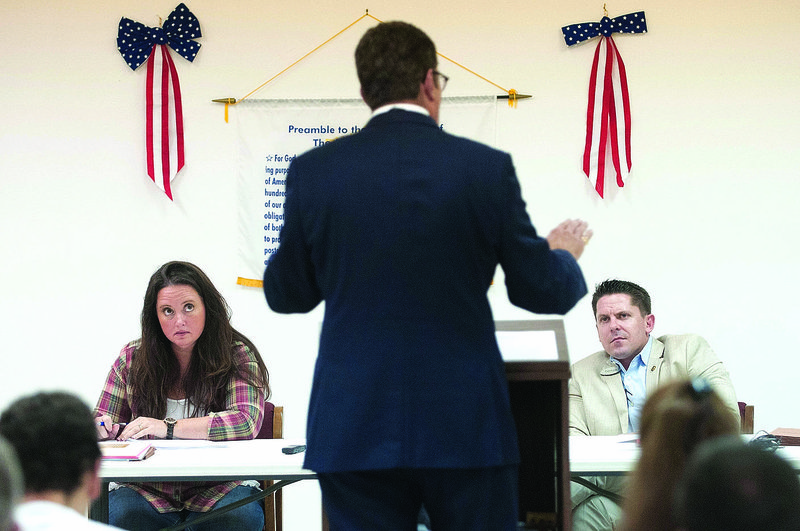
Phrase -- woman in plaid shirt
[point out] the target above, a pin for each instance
(191, 376)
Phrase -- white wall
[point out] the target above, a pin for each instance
(706, 222)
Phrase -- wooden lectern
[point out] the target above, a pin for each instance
(537, 368)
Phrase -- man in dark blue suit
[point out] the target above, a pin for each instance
(399, 229)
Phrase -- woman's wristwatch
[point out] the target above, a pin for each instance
(170, 422)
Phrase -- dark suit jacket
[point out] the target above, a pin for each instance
(399, 229)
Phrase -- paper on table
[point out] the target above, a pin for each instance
(183, 444)
(527, 345)
(130, 450)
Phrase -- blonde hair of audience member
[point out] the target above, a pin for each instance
(11, 484)
(676, 418)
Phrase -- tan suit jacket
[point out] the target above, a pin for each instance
(597, 403)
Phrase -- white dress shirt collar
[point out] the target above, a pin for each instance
(411, 107)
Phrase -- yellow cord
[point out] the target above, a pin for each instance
(306, 55)
(470, 71)
(512, 94)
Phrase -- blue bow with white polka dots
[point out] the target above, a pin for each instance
(630, 23)
(135, 41)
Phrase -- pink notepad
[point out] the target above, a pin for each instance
(787, 436)
(131, 450)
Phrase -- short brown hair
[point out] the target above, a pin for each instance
(392, 59)
(639, 296)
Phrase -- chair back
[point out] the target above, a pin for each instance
(746, 413)
(272, 428)
(266, 431)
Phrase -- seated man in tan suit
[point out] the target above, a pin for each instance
(608, 389)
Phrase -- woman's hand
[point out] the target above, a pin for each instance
(142, 427)
(106, 429)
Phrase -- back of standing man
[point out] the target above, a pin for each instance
(399, 229)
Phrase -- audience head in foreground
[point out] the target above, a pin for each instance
(731, 486)
(676, 418)
(11, 484)
(54, 436)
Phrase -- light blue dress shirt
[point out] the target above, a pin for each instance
(633, 380)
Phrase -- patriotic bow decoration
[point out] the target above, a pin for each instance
(138, 43)
(603, 123)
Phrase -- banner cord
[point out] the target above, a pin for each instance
(512, 94)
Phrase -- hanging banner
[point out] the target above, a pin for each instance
(273, 132)
(608, 114)
(164, 109)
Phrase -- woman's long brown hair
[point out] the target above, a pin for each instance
(155, 371)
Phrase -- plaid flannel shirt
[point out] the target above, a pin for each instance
(242, 418)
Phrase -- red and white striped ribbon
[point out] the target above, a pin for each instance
(608, 125)
(164, 129)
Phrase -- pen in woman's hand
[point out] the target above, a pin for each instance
(121, 424)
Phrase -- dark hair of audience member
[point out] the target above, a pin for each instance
(11, 485)
(676, 418)
(732, 486)
(55, 439)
